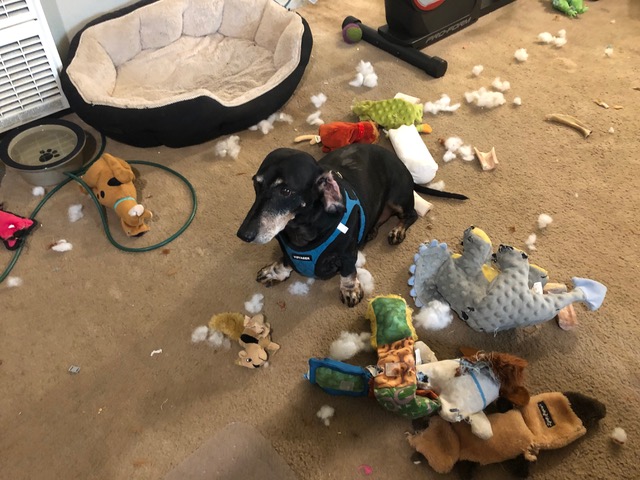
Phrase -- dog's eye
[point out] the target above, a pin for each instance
(285, 192)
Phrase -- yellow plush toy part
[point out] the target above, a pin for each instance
(111, 180)
(252, 333)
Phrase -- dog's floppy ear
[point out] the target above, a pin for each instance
(330, 193)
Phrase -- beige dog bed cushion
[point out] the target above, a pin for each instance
(180, 72)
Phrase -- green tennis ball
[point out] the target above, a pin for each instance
(352, 33)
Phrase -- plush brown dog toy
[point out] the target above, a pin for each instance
(111, 180)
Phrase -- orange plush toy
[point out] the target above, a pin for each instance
(111, 180)
(339, 134)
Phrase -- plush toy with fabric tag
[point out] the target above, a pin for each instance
(14, 229)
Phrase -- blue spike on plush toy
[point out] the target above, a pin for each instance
(412, 269)
(594, 292)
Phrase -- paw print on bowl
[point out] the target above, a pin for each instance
(48, 154)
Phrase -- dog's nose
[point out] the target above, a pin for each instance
(247, 235)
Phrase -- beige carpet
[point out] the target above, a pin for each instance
(130, 415)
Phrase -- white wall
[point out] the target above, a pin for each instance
(66, 17)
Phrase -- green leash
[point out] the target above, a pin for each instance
(76, 176)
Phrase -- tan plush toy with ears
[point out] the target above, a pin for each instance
(111, 180)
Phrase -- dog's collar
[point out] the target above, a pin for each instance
(119, 201)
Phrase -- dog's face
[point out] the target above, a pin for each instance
(287, 182)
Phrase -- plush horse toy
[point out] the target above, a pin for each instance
(466, 385)
(111, 180)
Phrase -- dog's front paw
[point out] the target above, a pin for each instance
(397, 235)
(351, 292)
(273, 274)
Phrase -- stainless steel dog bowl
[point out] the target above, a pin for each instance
(43, 153)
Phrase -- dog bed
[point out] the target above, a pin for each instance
(181, 72)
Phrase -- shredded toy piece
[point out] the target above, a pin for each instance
(37, 191)
(265, 126)
(325, 414)
(439, 185)
(567, 318)
(455, 146)
(314, 119)
(611, 130)
(517, 101)
(485, 98)
(466, 153)
(200, 334)
(441, 105)
(254, 305)
(608, 51)
(448, 156)
(407, 98)
(569, 121)
(500, 85)
(544, 220)
(545, 37)
(530, 242)
(218, 340)
(477, 70)
(619, 436)
(521, 55)
(61, 246)
(453, 143)
(75, 212)
(318, 100)
(230, 146)
(155, 352)
(559, 41)
(488, 160)
(436, 315)
(365, 75)
(350, 344)
(13, 282)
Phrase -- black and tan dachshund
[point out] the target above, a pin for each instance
(323, 212)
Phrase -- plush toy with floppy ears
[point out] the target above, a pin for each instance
(111, 180)
(252, 333)
(549, 421)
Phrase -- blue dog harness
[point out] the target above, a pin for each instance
(304, 261)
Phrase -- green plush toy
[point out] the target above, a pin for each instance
(391, 113)
(572, 8)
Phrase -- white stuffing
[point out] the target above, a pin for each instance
(314, 119)
(562, 33)
(254, 305)
(477, 70)
(318, 100)
(619, 436)
(517, 101)
(608, 51)
(521, 55)
(298, 288)
(311, 281)
(436, 315)
(200, 334)
(530, 242)
(325, 414)
(37, 191)
(545, 37)
(230, 146)
(75, 212)
(611, 130)
(62, 246)
(498, 84)
(350, 344)
(13, 282)
(366, 280)
(448, 156)
(466, 152)
(439, 185)
(365, 75)
(443, 104)
(559, 41)
(218, 340)
(544, 220)
(453, 143)
(361, 260)
(265, 126)
(485, 98)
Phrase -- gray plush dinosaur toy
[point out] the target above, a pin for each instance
(492, 298)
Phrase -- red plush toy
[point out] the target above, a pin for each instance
(14, 229)
(339, 134)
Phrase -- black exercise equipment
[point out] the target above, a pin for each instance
(414, 24)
